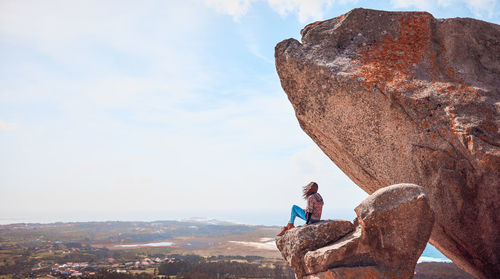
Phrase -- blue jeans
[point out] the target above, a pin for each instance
(297, 212)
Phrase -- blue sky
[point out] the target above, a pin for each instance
(127, 110)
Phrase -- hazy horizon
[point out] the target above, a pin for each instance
(241, 217)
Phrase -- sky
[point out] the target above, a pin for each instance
(161, 110)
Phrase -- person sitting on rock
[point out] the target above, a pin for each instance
(312, 214)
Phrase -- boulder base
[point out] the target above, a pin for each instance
(297, 241)
(392, 230)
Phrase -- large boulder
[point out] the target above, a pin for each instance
(397, 97)
(396, 224)
(296, 242)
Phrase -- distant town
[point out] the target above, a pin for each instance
(84, 269)
(147, 250)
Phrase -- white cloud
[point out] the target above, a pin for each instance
(419, 4)
(445, 3)
(93, 51)
(305, 9)
(310, 10)
(235, 8)
(4, 126)
(480, 8)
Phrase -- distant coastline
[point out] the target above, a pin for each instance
(430, 253)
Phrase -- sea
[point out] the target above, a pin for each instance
(431, 254)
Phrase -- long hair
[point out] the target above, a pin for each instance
(309, 189)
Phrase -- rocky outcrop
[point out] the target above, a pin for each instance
(396, 97)
(298, 241)
(393, 226)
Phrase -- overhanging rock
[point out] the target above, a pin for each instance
(397, 97)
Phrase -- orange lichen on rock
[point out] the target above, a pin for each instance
(413, 64)
(395, 63)
(391, 63)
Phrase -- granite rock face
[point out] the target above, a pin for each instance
(390, 233)
(397, 97)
